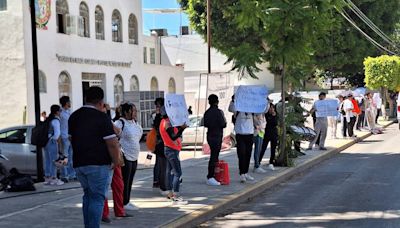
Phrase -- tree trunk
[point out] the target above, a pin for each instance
(283, 155)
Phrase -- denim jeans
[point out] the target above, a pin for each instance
(68, 170)
(94, 181)
(257, 150)
(50, 154)
(174, 171)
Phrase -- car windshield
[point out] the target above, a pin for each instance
(194, 121)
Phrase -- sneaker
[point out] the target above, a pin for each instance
(47, 181)
(259, 170)
(271, 167)
(178, 200)
(248, 177)
(56, 182)
(130, 207)
(106, 220)
(164, 193)
(243, 178)
(213, 182)
(322, 148)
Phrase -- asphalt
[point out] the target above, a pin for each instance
(62, 208)
(360, 187)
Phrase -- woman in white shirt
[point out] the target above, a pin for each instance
(130, 135)
(52, 146)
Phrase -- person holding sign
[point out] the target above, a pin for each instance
(244, 128)
(215, 122)
(321, 126)
(173, 145)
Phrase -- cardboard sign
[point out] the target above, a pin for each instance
(175, 106)
(325, 108)
(251, 99)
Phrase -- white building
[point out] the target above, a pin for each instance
(80, 43)
(191, 52)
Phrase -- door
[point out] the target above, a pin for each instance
(85, 87)
(13, 145)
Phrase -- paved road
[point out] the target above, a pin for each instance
(358, 188)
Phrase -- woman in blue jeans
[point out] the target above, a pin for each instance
(172, 142)
(51, 149)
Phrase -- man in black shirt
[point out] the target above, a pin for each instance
(215, 121)
(96, 152)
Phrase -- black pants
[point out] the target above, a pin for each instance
(215, 143)
(273, 138)
(160, 168)
(128, 173)
(344, 127)
(350, 126)
(244, 148)
(377, 115)
(360, 122)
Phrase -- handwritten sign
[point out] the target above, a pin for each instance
(325, 108)
(251, 99)
(176, 108)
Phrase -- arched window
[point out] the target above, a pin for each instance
(64, 85)
(171, 85)
(116, 25)
(134, 83)
(42, 82)
(99, 20)
(118, 90)
(133, 29)
(154, 84)
(84, 30)
(62, 11)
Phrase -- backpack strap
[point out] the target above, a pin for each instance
(123, 124)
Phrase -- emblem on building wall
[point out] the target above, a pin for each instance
(43, 13)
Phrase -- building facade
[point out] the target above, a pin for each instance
(80, 44)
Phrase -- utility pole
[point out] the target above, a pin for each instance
(39, 155)
(209, 36)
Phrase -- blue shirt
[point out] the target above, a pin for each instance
(64, 117)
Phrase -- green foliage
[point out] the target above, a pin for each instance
(382, 72)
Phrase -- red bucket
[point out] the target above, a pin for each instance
(222, 172)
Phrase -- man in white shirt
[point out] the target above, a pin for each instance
(350, 117)
(321, 127)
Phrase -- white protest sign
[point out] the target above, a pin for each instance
(175, 106)
(325, 108)
(251, 99)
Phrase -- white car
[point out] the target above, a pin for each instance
(194, 131)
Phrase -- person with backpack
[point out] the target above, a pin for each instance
(215, 122)
(129, 138)
(173, 144)
(244, 129)
(52, 146)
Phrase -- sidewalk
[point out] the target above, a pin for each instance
(204, 201)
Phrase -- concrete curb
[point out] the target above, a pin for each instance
(208, 212)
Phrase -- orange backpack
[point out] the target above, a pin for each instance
(151, 140)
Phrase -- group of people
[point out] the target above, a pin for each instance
(360, 113)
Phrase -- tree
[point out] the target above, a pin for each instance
(251, 32)
(343, 51)
(382, 73)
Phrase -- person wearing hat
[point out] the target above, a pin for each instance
(215, 122)
(321, 127)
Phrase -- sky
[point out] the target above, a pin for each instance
(168, 21)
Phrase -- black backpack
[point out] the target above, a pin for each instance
(40, 134)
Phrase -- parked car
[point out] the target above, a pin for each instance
(16, 147)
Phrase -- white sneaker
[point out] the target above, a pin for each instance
(213, 182)
(178, 200)
(56, 182)
(131, 207)
(271, 167)
(164, 193)
(248, 177)
(243, 178)
(259, 170)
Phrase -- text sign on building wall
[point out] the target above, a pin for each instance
(176, 108)
(251, 99)
(325, 108)
(93, 61)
